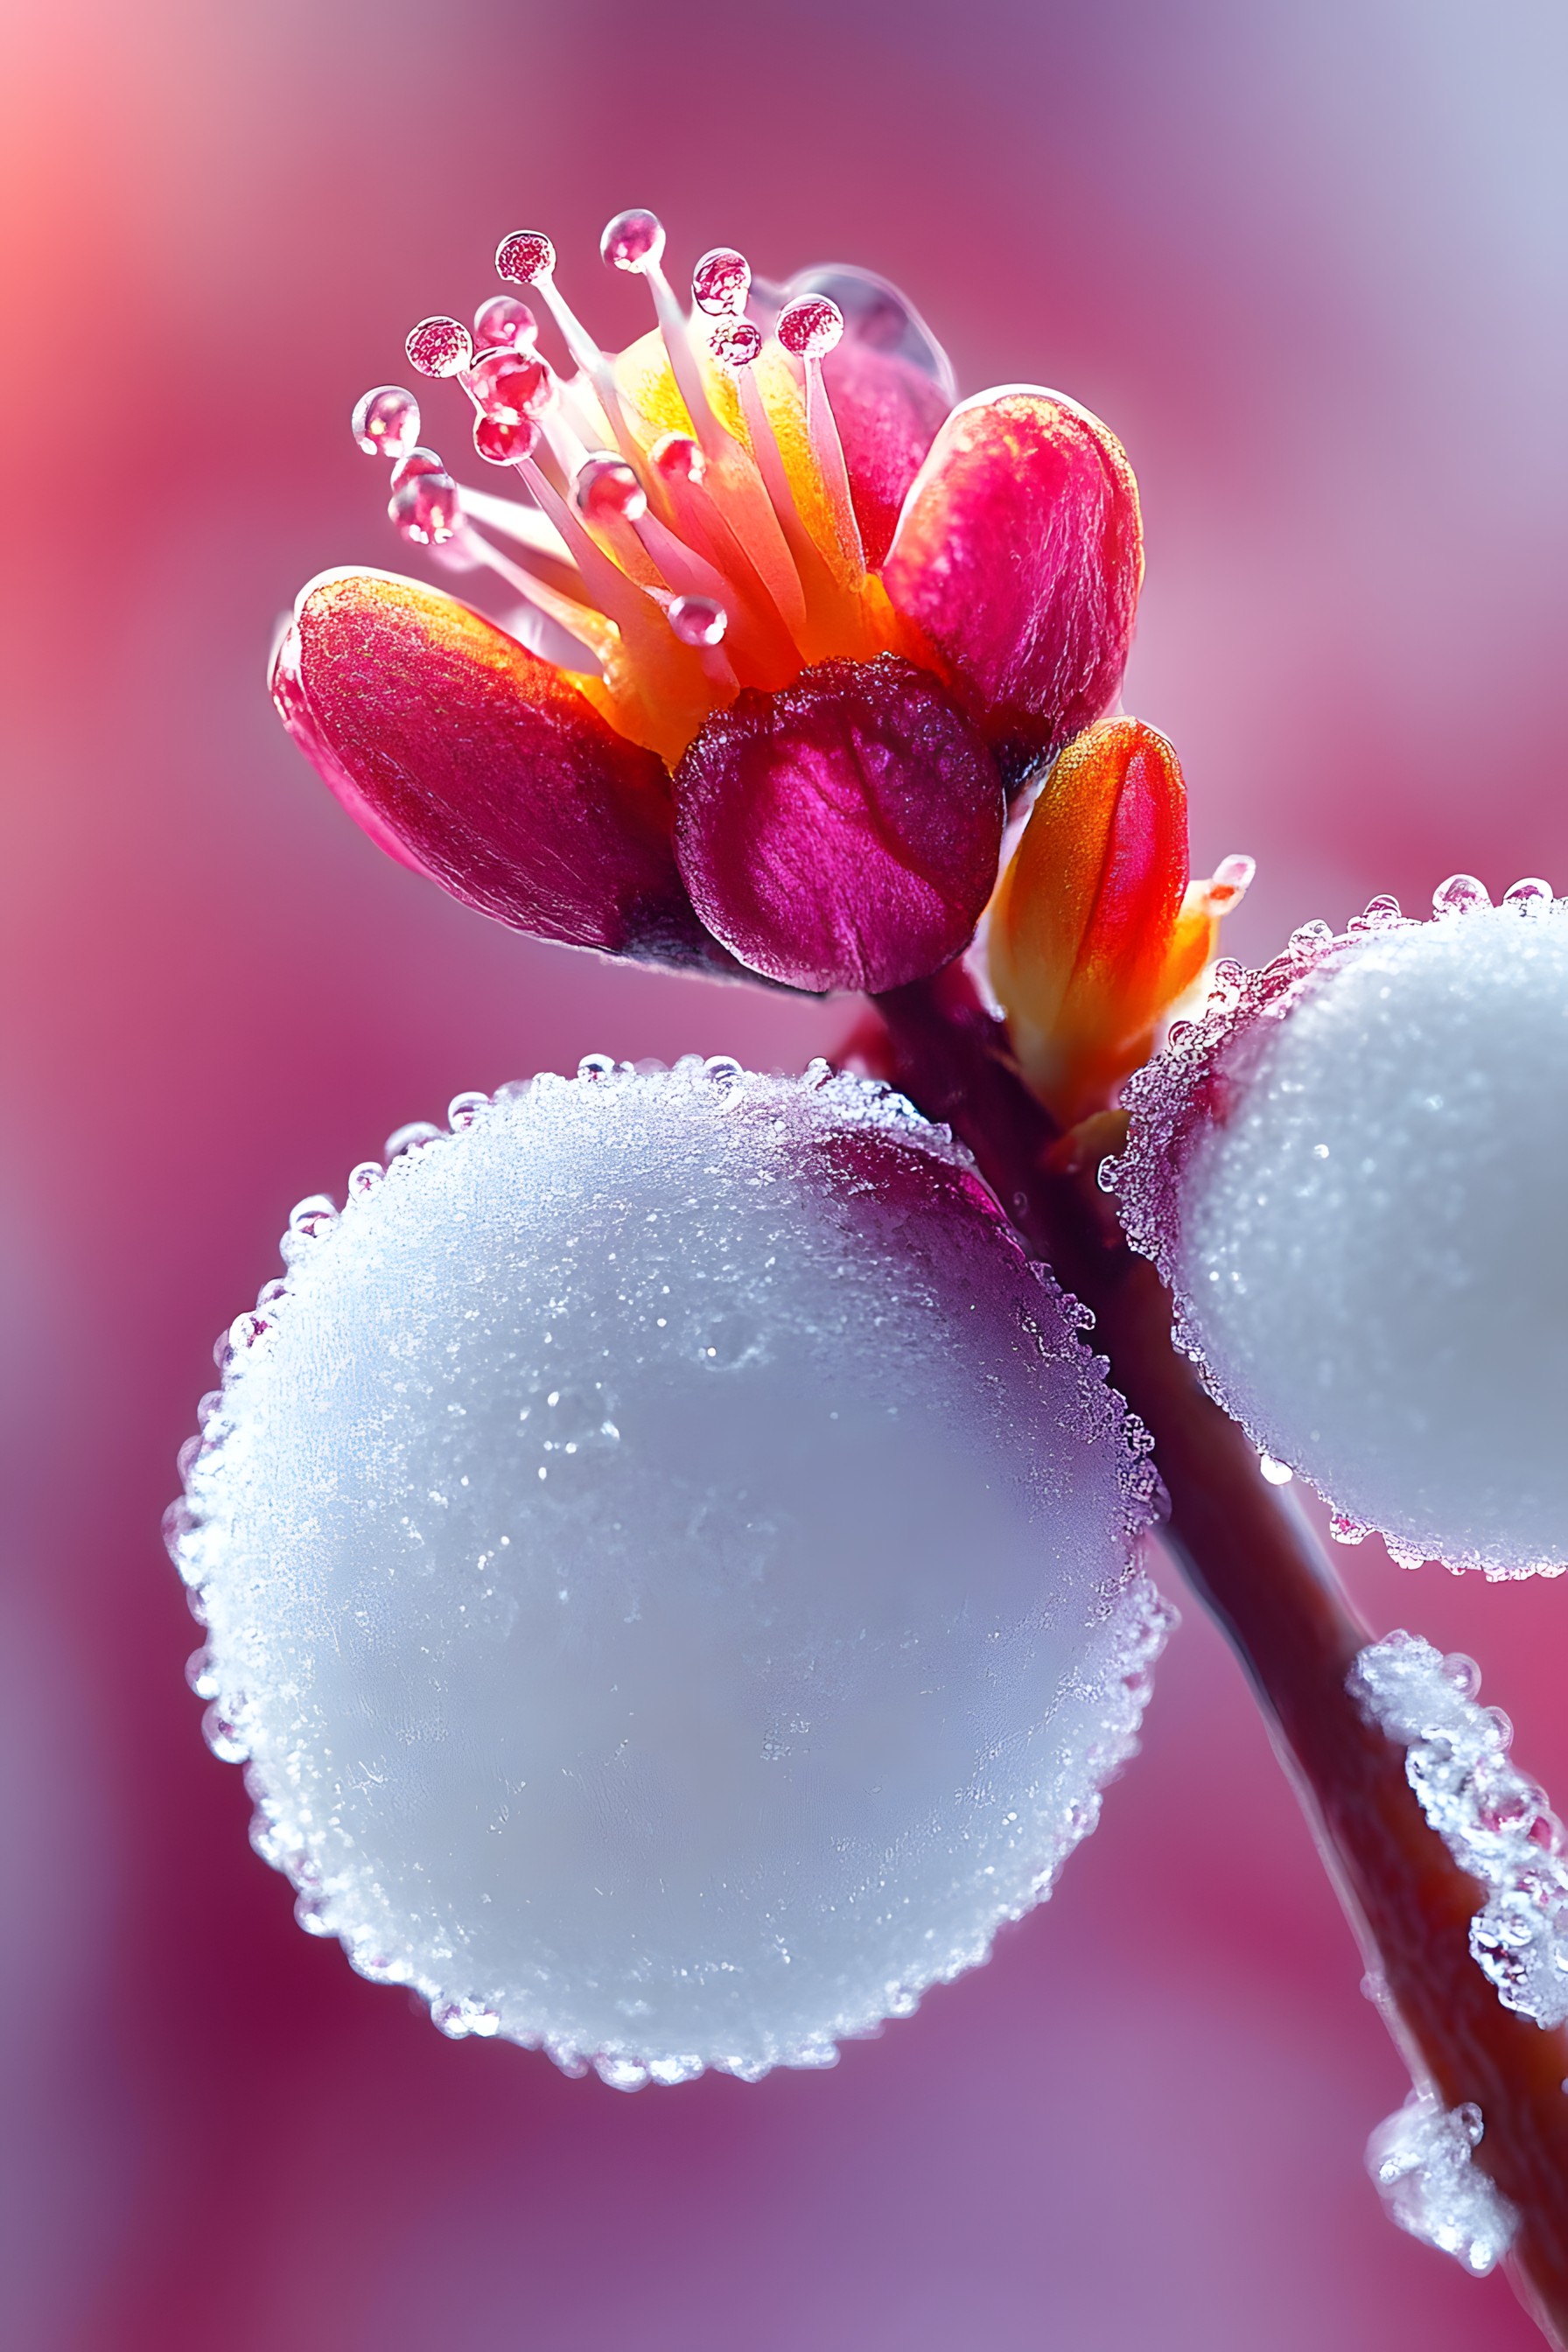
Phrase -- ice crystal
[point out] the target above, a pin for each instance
(670, 1565)
(1350, 1172)
(1421, 2160)
(1494, 1822)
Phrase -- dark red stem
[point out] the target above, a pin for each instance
(1252, 1558)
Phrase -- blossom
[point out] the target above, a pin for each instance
(791, 626)
(1096, 930)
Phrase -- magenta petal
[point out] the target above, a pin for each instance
(887, 414)
(1019, 553)
(481, 766)
(844, 832)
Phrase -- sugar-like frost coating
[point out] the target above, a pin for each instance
(670, 1565)
(1351, 1175)
(1421, 2159)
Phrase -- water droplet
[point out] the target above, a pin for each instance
(1307, 938)
(1530, 896)
(679, 459)
(224, 1736)
(312, 1216)
(811, 327)
(722, 281)
(185, 1459)
(596, 1067)
(463, 1110)
(698, 620)
(723, 1070)
(1279, 1473)
(1463, 1672)
(525, 256)
(414, 1137)
(512, 386)
(201, 1673)
(1379, 912)
(607, 490)
(426, 508)
(734, 343)
(311, 1910)
(367, 1176)
(634, 240)
(504, 319)
(1459, 894)
(385, 421)
(505, 441)
(439, 347)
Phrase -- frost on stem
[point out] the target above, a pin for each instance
(1494, 1822)
(1420, 2160)
(1350, 1173)
(669, 1563)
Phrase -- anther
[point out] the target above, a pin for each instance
(735, 343)
(810, 327)
(426, 508)
(505, 440)
(633, 241)
(698, 620)
(722, 281)
(679, 459)
(525, 256)
(416, 461)
(1232, 878)
(509, 383)
(607, 490)
(385, 421)
(440, 347)
(504, 319)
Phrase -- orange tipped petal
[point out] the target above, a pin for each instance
(485, 768)
(1019, 553)
(1094, 930)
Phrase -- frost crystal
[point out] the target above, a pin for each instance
(1350, 1173)
(1494, 1822)
(1420, 2160)
(669, 1563)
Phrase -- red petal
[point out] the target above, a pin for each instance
(482, 766)
(887, 414)
(1019, 553)
(843, 834)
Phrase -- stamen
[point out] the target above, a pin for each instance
(1232, 878)
(426, 508)
(509, 383)
(634, 241)
(526, 525)
(608, 490)
(528, 258)
(809, 330)
(701, 623)
(588, 630)
(722, 281)
(625, 602)
(385, 422)
(440, 347)
(504, 319)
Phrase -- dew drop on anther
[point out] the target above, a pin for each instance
(417, 461)
(607, 490)
(525, 256)
(1459, 893)
(692, 1460)
(439, 347)
(385, 421)
(734, 343)
(426, 508)
(503, 320)
(698, 620)
(632, 241)
(722, 281)
(505, 441)
(810, 327)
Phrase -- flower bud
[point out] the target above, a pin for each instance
(1095, 931)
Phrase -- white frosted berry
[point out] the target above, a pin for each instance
(669, 1563)
(1351, 1174)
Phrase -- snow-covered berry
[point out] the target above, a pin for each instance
(1350, 1173)
(669, 1563)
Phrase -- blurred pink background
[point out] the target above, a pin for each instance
(1308, 262)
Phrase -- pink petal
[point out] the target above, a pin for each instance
(843, 834)
(1019, 553)
(887, 414)
(480, 765)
